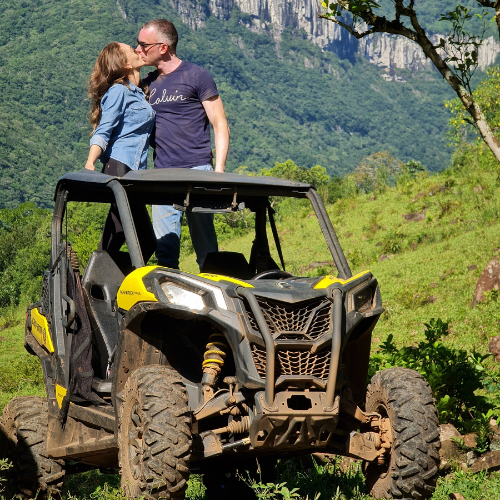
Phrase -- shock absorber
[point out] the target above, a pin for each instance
(213, 360)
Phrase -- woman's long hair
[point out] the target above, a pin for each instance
(108, 70)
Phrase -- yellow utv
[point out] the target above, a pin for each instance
(157, 372)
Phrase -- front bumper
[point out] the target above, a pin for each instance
(296, 420)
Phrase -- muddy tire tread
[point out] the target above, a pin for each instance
(25, 422)
(413, 468)
(163, 400)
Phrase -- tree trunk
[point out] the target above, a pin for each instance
(467, 100)
(379, 24)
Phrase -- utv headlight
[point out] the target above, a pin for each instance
(363, 299)
(182, 297)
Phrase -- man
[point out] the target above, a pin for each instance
(186, 100)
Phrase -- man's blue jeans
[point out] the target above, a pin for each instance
(167, 227)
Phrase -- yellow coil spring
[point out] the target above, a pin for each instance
(214, 355)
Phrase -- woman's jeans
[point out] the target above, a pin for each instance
(167, 227)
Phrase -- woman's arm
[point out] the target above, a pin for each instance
(112, 109)
(94, 153)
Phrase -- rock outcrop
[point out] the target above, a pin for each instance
(489, 281)
(386, 51)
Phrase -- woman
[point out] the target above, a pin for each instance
(121, 117)
(122, 120)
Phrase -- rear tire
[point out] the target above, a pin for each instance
(154, 434)
(25, 422)
(406, 399)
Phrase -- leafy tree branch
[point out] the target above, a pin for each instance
(492, 5)
(455, 56)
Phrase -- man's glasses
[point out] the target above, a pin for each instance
(144, 46)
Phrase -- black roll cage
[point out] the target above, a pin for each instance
(187, 190)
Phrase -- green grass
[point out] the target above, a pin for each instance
(427, 273)
(20, 374)
(470, 486)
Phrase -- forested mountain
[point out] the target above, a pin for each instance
(284, 97)
(383, 50)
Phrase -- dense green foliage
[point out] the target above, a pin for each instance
(429, 14)
(455, 377)
(460, 126)
(284, 98)
(24, 250)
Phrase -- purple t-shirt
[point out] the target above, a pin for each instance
(182, 130)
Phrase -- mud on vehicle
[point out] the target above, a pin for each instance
(159, 372)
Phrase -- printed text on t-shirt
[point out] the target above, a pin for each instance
(164, 97)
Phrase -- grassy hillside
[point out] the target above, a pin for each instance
(285, 99)
(426, 269)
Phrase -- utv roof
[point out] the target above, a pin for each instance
(183, 187)
(172, 184)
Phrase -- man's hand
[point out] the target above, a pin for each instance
(215, 112)
(94, 153)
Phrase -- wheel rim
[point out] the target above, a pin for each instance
(136, 442)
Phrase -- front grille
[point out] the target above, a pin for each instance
(305, 320)
(294, 362)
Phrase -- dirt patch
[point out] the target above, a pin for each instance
(315, 265)
(435, 189)
(415, 217)
(385, 257)
(422, 194)
(447, 274)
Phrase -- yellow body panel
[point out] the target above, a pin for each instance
(220, 277)
(329, 280)
(40, 330)
(132, 290)
(60, 393)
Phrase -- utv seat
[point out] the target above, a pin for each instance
(103, 276)
(231, 264)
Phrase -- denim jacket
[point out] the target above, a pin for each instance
(126, 123)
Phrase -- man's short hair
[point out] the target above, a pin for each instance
(166, 30)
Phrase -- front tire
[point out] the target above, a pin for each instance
(406, 399)
(25, 422)
(154, 434)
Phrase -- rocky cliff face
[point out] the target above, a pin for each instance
(385, 51)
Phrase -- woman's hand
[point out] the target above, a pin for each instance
(90, 166)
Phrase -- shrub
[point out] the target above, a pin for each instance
(342, 187)
(316, 176)
(5, 465)
(377, 171)
(454, 375)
